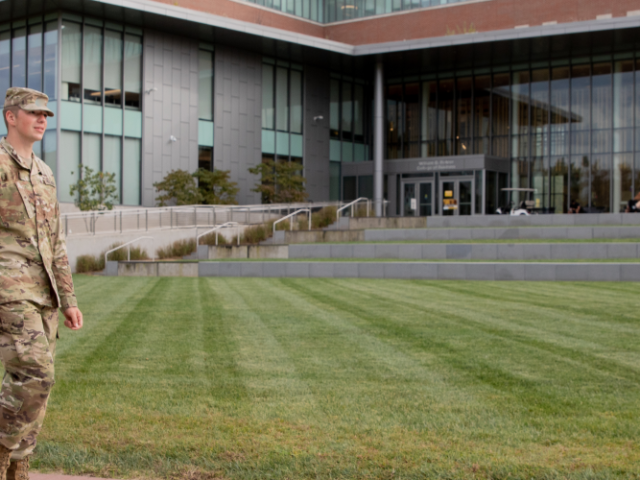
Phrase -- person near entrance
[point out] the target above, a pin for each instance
(35, 280)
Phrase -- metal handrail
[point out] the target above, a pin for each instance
(128, 244)
(216, 229)
(291, 215)
(352, 205)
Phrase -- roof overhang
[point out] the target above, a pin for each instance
(272, 41)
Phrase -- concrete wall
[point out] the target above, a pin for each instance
(475, 251)
(171, 67)
(316, 133)
(611, 272)
(238, 117)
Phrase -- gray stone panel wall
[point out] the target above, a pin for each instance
(171, 68)
(316, 133)
(238, 117)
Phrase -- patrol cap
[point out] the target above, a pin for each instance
(27, 99)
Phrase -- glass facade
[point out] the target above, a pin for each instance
(29, 58)
(282, 110)
(94, 87)
(349, 128)
(100, 108)
(571, 129)
(327, 11)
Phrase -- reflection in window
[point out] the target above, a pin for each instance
(132, 71)
(34, 62)
(71, 60)
(50, 84)
(268, 99)
(295, 101)
(92, 65)
(5, 59)
(205, 85)
(282, 105)
(112, 68)
(19, 58)
(112, 161)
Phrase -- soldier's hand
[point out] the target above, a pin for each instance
(73, 317)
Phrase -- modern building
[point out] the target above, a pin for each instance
(429, 104)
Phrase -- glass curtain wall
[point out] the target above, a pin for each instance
(29, 58)
(282, 110)
(326, 11)
(101, 86)
(348, 125)
(572, 131)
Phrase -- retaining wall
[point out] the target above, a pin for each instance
(426, 271)
(503, 233)
(607, 272)
(477, 251)
(534, 220)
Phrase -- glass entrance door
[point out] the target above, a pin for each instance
(417, 199)
(457, 196)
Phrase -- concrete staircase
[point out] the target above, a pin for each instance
(550, 247)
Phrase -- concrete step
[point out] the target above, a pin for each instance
(606, 272)
(534, 220)
(502, 233)
(460, 251)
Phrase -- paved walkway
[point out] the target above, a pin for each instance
(59, 476)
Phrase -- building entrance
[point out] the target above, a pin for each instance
(418, 199)
(457, 196)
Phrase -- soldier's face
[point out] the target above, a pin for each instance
(29, 125)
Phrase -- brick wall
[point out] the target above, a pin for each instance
(433, 22)
(484, 16)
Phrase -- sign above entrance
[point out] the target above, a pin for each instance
(431, 165)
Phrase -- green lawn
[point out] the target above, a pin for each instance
(205, 378)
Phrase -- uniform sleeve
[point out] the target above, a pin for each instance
(61, 268)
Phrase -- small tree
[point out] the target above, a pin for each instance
(178, 185)
(281, 182)
(95, 190)
(216, 188)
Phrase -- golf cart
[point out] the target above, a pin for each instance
(520, 201)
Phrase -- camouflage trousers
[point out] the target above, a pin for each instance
(27, 346)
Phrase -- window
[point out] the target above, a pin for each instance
(205, 85)
(282, 110)
(132, 71)
(71, 60)
(113, 68)
(348, 120)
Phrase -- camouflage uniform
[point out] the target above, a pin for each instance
(35, 280)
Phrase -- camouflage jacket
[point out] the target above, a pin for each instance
(33, 253)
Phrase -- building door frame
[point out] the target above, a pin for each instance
(457, 198)
(417, 197)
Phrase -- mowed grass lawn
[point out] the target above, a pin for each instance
(238, 378)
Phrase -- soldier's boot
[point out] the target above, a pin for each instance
(18, 469)
(5, 458)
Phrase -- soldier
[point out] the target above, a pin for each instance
(35, 280)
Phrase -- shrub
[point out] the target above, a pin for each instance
(87, 263)
(361, 211)
(91, 263)
(210, 239)
(177, 249)
(324, 217)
